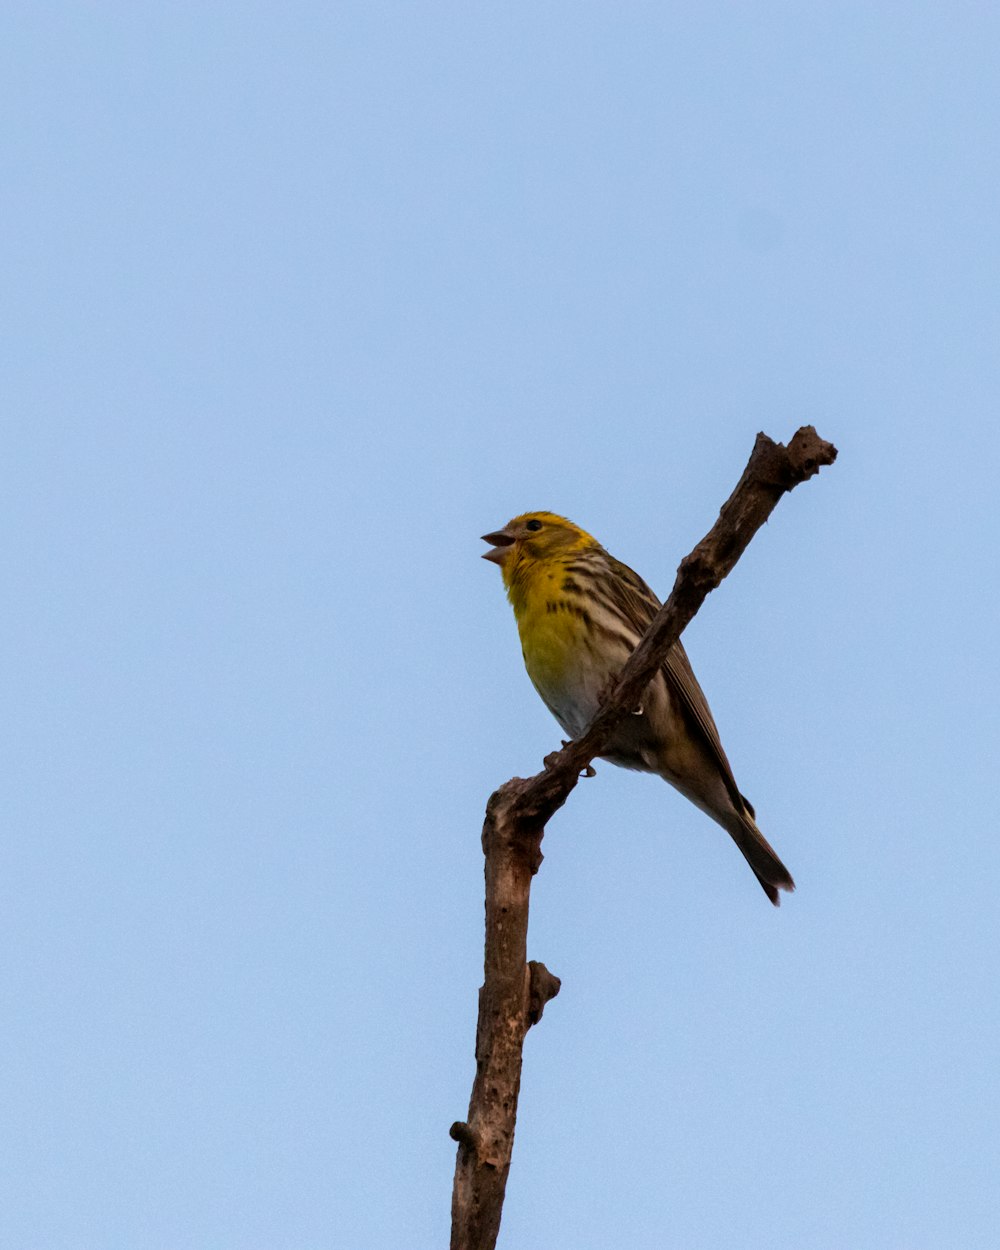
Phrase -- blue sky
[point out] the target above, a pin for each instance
(300, 300)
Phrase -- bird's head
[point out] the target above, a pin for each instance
(532, 539)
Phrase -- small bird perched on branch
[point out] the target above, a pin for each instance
(581, 613)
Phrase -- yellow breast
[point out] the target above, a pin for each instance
(553, 630)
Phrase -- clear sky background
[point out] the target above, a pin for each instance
(301, 299)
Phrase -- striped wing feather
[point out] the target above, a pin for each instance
(639, 605)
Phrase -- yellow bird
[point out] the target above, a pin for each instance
(581, 613)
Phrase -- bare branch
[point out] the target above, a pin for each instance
(514, 993)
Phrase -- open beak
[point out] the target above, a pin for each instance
(502, 542)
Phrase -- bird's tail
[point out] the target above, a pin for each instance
(760, 855)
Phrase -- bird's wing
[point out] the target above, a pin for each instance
(640, 605)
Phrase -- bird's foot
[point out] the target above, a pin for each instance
(549, 762)
(589, 771)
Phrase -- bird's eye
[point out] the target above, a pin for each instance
(533, 525)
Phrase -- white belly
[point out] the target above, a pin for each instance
(571, 677)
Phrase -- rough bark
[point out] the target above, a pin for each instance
(514, 991)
